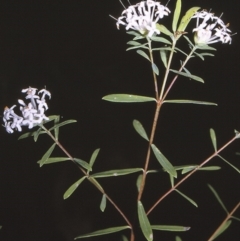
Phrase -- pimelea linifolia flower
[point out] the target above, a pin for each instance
(143, 17)
(211, 29)
(33, 113)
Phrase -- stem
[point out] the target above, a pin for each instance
(224, 221)
(192, 172)
(156, 115)
(167, 69)
(159, 104)
(154, 75)
(181, 68)
(88, 177)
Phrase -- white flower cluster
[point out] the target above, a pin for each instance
(143, 17)
(211, 30)
(32, 114)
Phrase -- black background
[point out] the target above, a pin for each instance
(74, 49)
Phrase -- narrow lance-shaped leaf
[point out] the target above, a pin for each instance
(144, 222)
(222, 229)
(186, 18)
(62, 124)
(172, 228)
(155, 69)
(218, 198)
(160, 39)
(196, 102)
(208, 168)
(189, 41)
(214, 139)
(163, 29)
(127, 98)
(103, 232)
(163, 161)
(194, 77)
(56, 130)
(93, 158)
(163, 56)
(205, 47)
(142, 53)
(135, 43)
(46, 155)
(103, 203)
(124, 238)
(115, 173)
(51, 160)
(140, 130)
(83, 164)
(187, 198)
(73, 187)
(139, 181)
(231, 165)
(176, 15)
(178, 238)
(36, 134)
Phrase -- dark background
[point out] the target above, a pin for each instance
(74, 49)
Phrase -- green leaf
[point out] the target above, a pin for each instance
(171, 180)
(176, 15)
(96, 183)
(186, 18)
(124, 238)
(51, 160)
(93, 158)
(62, 124)
(214, 139)
(83, 164)
(188, 198)
(115, 173)
(181, 50)
(236, 218)
(163, 56)
(144, 222)
(160, 39)
(172, 228)
(222, 229)
(36, 134)
(103, 203)
(103, 232)
(139, 181)
(189, 41)
(218, 198)
(140, 130)
(208, 168)
(137, 47)
(194, 77)
(47, 155)
(205, 47)
(163, 161)
(237, 134)
(163, 29)
(178, 238)
(229, 164)
(164, 48)
(73, 187)
(200, 56)
(135, 43)
(126, 98)
(155, 69)
(142, 53)
(56, 130)
(189, 102)
(207, 54)
(133, 33)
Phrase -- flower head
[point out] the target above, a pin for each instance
(211, 29)
(143, 17)
(33, 113)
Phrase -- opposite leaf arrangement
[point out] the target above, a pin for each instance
(144, 21)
